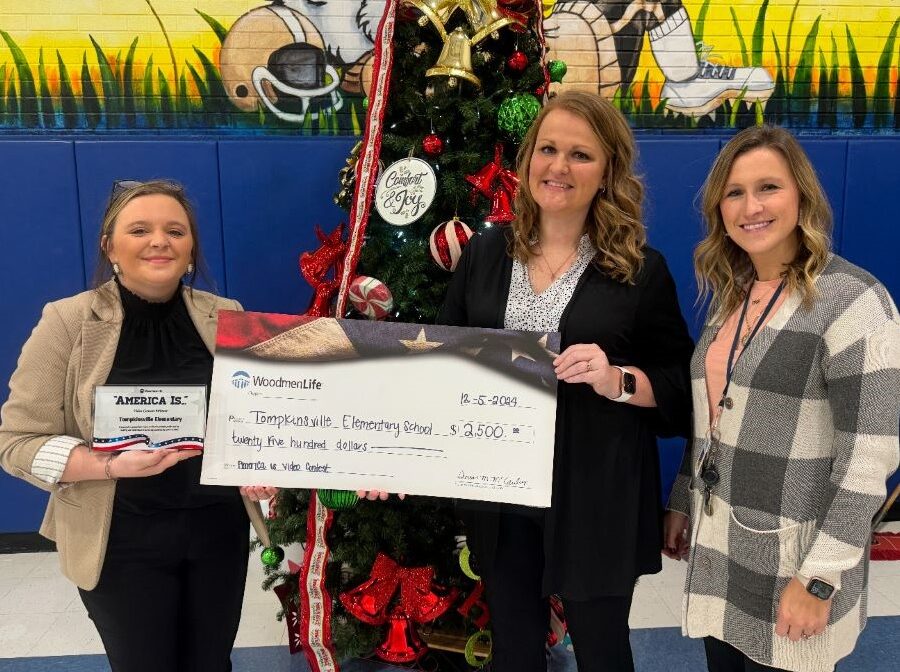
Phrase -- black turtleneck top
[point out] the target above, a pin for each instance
(159, 345)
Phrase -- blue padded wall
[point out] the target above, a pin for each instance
(193, 163)
(871, 235)
(258, 200)
(273, 194)
(830, 161)
(41, 244)
(673, 172)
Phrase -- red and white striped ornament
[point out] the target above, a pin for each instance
(371, 297)
(447, 243)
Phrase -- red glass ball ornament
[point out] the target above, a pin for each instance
(517, 62)
(432, 144)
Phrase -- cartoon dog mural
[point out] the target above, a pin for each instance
(601, 41)
(283, 55)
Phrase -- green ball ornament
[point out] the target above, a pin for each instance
(272, 556)
(337, 499)
(365, 103)
(557, 70)
(516, 114)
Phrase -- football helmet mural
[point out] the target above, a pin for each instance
(275, 56)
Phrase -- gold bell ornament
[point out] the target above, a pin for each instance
(436, 11)
(455, 60)
(485, 18)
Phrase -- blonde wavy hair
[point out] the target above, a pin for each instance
(614, 222)
(723, 270)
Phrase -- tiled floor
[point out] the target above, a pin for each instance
(41, 617)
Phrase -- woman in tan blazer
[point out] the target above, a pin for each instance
(160, 560)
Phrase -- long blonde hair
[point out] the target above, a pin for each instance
(723, 270)
(613, 223)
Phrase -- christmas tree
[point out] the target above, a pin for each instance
(465, 82)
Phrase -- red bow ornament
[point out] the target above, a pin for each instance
(497, 183)
(369, 601)
(419, 603)
(315, 267)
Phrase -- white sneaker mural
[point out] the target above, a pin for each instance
(601, 41)
(713, 85)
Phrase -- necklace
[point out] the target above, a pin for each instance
(555, 273)
(750, 325)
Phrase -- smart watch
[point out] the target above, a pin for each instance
(629, 385)
(821, 589)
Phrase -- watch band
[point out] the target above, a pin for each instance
(627, 385)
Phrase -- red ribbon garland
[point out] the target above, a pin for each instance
(315, 602)
(367, 165)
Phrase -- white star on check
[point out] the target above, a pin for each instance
(421, 344)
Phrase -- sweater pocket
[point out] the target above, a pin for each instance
(758, 557)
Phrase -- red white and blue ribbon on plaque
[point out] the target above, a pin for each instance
(143, 442)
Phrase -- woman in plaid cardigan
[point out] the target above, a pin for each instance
(795, 382)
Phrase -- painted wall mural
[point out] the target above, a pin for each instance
(303, 66)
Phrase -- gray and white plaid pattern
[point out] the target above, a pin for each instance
(806, 448)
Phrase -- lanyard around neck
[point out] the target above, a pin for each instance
(732, 360)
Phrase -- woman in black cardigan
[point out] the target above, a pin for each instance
(576, 260)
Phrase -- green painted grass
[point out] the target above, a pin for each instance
(882, 105)
(117, 93)
(806, 90)
(112, 92)
(759, 34)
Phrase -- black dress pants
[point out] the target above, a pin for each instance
(170, 592)
(520, 614)
(723, 657)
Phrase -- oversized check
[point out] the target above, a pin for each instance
(299, 402)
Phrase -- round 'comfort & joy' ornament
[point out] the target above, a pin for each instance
(405, 191)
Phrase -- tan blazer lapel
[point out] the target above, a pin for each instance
(204, 314)
(99, 338)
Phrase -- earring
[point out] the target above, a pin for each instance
(190, 269)
(116, 269)
(603, 190)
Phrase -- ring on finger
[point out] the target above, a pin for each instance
(589, 367)
(804, 635)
